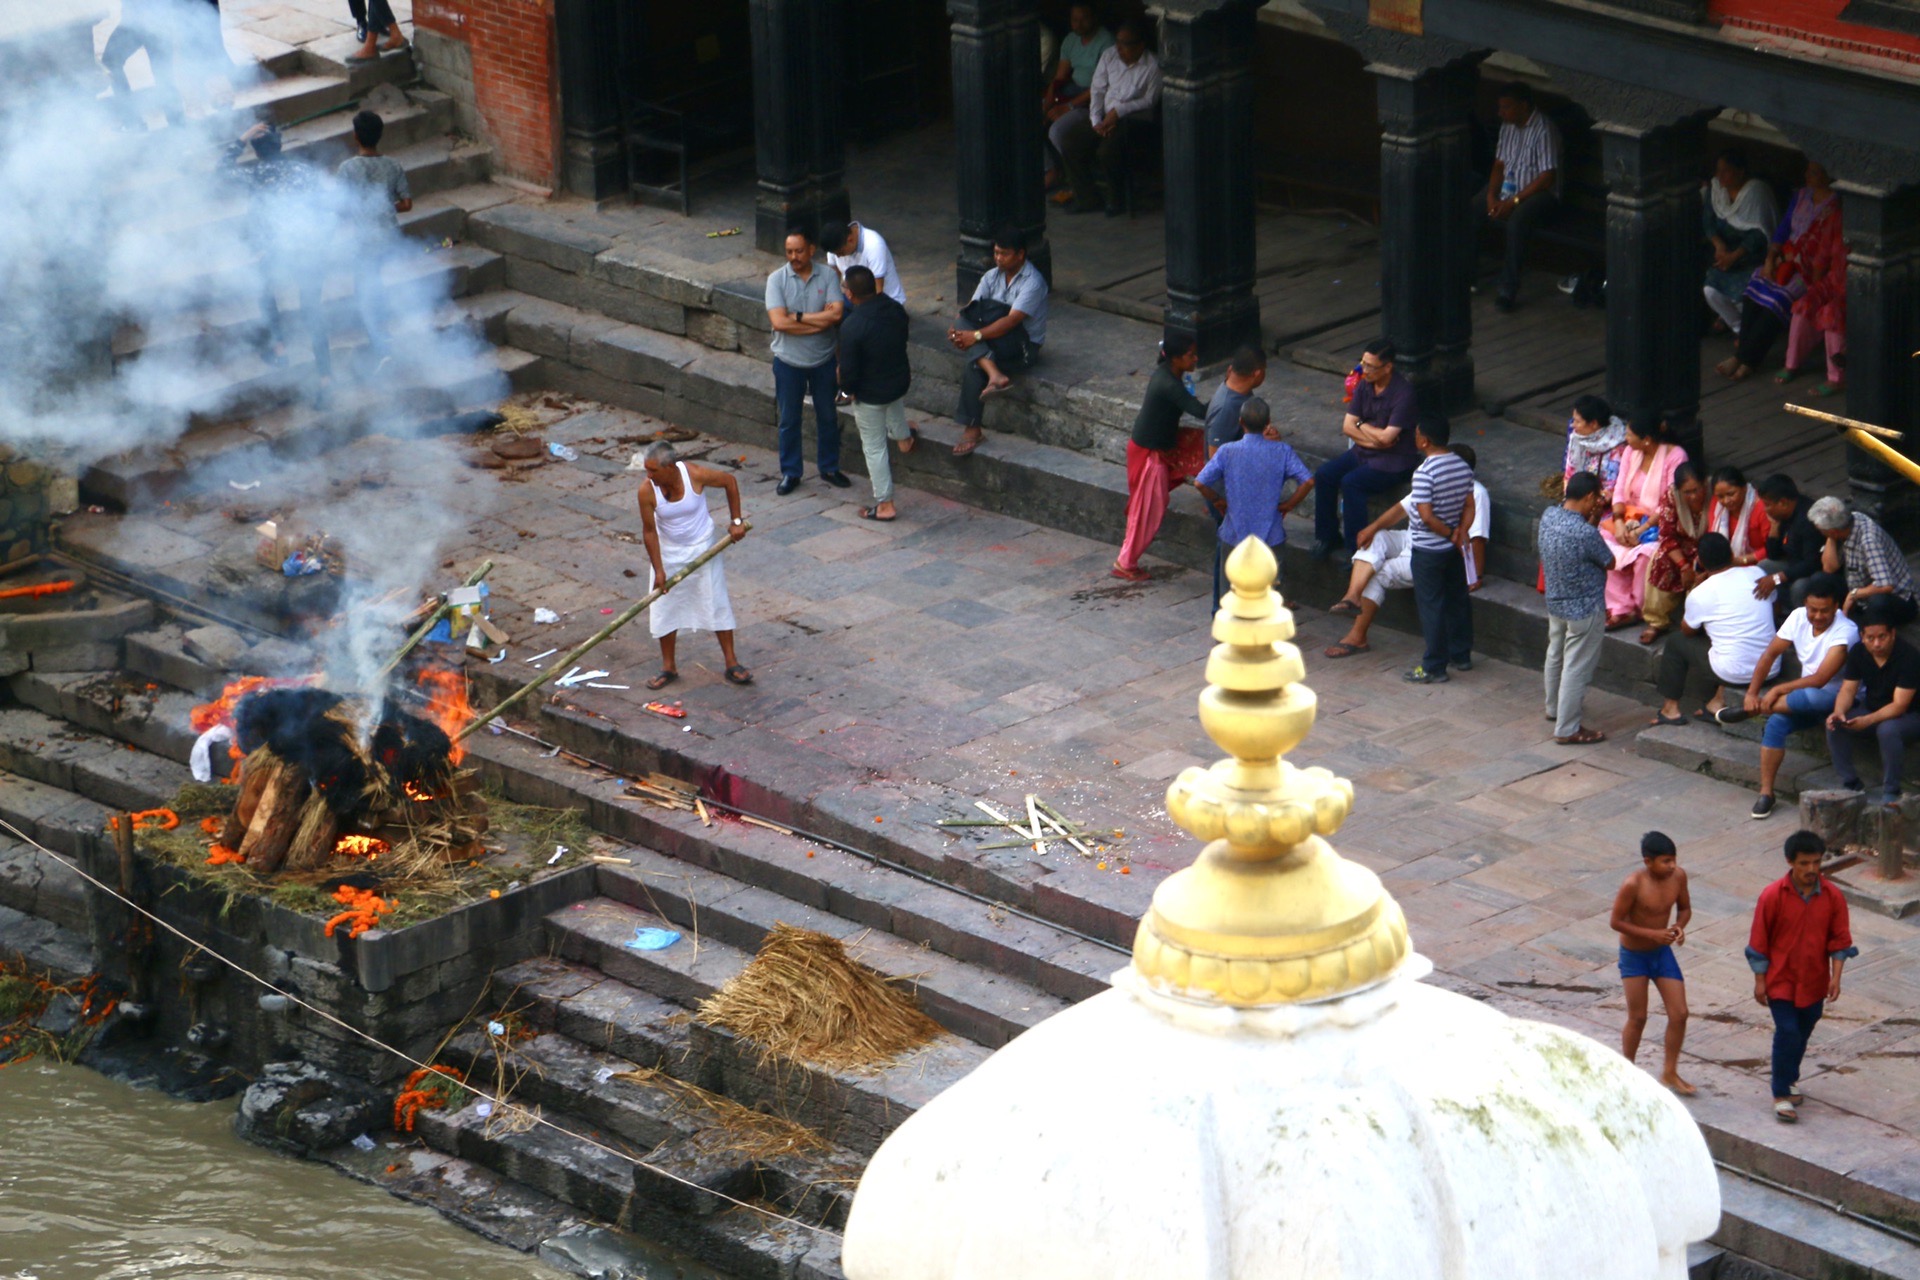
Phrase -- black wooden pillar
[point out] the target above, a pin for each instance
(1654, 264)
(1883, 331)
(997, 132)
(799, 142)
(593, 160)
(1206, 113)
(1426, 235)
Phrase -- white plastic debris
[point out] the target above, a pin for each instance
(483, 1109)
(603, 1075)
(200, 759)
(243, 488)
(363, 1143)
(536, 657)
(592, 685)
(559, 852)
(577, 676)
(501, 657)
(562, 452)
(544, 614)
(496, 1028)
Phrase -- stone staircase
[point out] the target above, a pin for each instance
(606, 1046)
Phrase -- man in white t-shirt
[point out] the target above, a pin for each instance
(1384, 562)
(1723, 636)
(852, 245)
(1818, 635)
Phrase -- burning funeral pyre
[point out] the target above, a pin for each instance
(323, 777)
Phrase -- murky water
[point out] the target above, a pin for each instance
(99, 1181)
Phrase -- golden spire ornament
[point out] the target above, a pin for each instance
(1269, 913)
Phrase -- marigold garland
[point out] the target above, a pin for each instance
(428, 1089)
(220, 855)
(148, 820)
(364, 909)
(211, 826)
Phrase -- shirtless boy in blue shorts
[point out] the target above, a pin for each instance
(1650, 913)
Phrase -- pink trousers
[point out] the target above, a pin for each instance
(1801, 340)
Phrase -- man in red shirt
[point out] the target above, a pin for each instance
(1799, 944)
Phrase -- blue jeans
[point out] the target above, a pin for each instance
(1792, 1028)
(1892, 735)
(791, 387)
(1446, 610)
(1805, 709)
(1346, 481)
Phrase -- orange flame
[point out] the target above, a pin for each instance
(360, 846)
(418, 793)
(447, 706)
(220, 710)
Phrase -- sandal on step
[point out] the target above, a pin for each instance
(1346, 608)
(1652, 635)
(1345, 650)
(1584, 738)
(1667, 722)
(662, 680)
(737, 674)
(873, 513)
(1784, 1112)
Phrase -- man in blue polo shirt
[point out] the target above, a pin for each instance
(1245, 483)
(1379, 425)
(804, 304)
(1006, 324)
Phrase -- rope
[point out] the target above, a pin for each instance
(582, 1138)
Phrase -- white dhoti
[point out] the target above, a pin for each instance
(1391, 555)
(698, 604)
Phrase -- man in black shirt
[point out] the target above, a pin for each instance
(1877, 685)
(1793, 548)
(873, 370)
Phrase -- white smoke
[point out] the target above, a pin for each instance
(133, 258)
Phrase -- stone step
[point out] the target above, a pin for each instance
(745, 873)
(560, 1075)
(1803, 1237)
(154, 721)
(643, 1018)
(603, 1184)
(1712, 750)
(66, 823)
(93, 766)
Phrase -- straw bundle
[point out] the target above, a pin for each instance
(803, 998)
(726, 1125)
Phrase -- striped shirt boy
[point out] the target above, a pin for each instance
(1526, 151)
(1444, 482)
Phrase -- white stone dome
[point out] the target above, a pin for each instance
(1402, 1132)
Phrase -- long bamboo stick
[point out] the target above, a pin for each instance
(1850, 423)
(628, 615)
(433, 620)
(1892, 457)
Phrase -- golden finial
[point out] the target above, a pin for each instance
(1269, 913)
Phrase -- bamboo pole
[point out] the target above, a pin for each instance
(433, 620)
(632, 611)
(1892, 457)
(1851, 423)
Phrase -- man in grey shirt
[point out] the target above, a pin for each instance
(1006, 323)
(378, 194)
(803, 302)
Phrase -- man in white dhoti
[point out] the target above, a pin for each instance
(677, 528)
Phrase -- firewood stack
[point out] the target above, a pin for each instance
(314, 787)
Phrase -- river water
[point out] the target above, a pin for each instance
(99, 1181)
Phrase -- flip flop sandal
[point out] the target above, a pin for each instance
(662, 680)
(1785, 1113)
(913, 439)
(1584, 738)
(966, 446)
(1344, 650)
(873, 514)
(1651, 635)
(1345, 608)
(737, 674)
(1705, 716)
(1669, 721)
(1732, 715)
(1131, 575)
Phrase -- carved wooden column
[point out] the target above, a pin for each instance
(1206, 113)
(1654, 264)
(799, 143)
(1426, 252)
(593, 159)
(997, 132)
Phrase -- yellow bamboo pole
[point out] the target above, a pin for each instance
(559, 665)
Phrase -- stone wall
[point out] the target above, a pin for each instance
(30, 495)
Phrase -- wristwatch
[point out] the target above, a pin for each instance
(738, 520)
(977, 337)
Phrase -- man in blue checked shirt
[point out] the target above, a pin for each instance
(1245, 482)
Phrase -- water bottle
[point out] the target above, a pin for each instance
(1186, 380)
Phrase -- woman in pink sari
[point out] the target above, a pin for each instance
(1647, 462)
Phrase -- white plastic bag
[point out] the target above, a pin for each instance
(200, 760)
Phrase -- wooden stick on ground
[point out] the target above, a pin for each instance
(597, 638)
(433, 620)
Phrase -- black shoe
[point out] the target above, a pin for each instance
(1851, 784)
(1420, 675)
(1465, 664)
(787, 485)
(360, 32)
(1503, 304)
(1323, 551)
(837, 480)
(1763, 807)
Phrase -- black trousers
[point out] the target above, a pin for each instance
(1446, 610)
(1759, 330)
(374, 15)
(1011, 350)
(1685, 674)
(1096, 162)
(1899, 610)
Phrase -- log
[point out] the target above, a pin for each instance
(314, 837)
(275, 818)
(254, 772)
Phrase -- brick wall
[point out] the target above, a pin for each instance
(514, 79)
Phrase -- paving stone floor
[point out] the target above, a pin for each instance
(981, 657)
